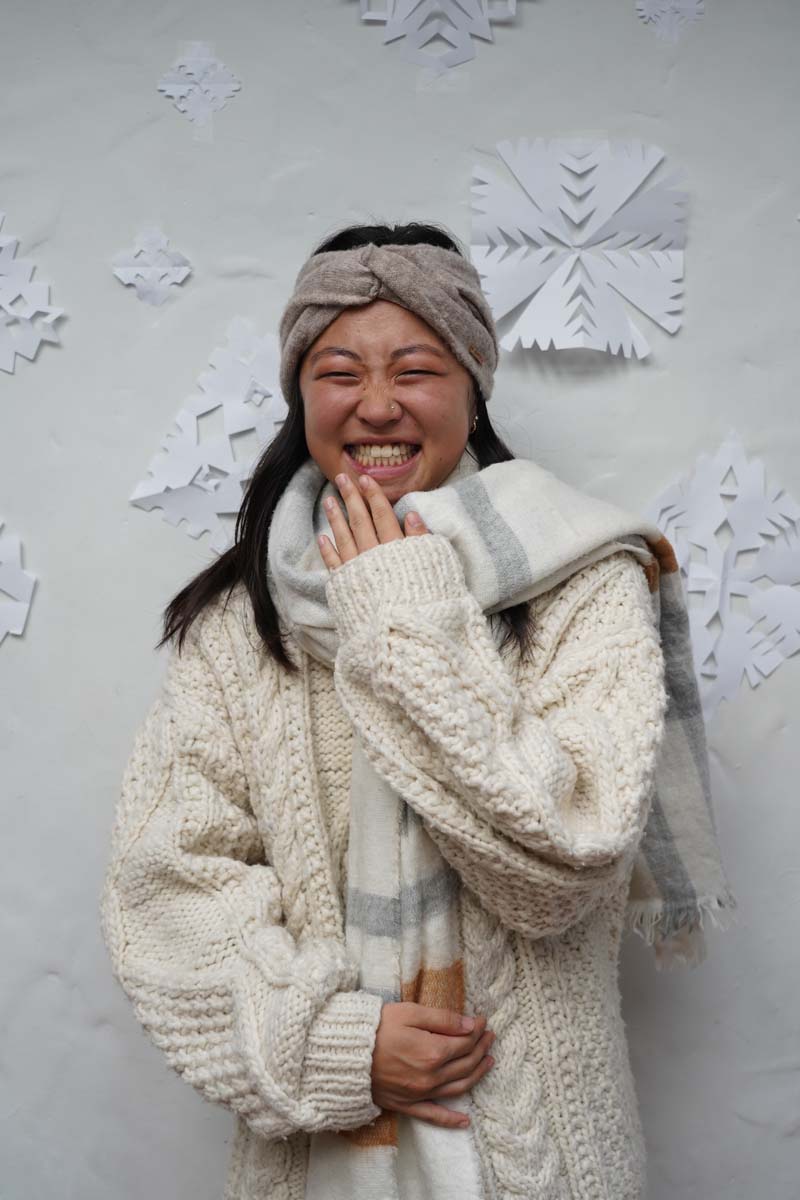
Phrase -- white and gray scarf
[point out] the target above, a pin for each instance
(518, 531)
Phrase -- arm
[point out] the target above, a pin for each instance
(537, 795)
(191, 916)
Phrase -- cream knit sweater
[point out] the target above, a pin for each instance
(223, 904)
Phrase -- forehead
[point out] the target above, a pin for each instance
(380, 325)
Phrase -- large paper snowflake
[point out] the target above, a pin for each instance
(199, 479)
(738, 545)
(670, 18)
(424, 25)
(26, 316)
(151, 267)
(16, 586)
(582, 228)
(199, 84)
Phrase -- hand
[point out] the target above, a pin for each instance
(422, 1055)
(371, 523)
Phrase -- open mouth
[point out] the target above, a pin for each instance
(380, 464)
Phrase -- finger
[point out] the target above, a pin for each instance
(459, 1086)
(383, 515)
(436, 1114)
(441, 1020)
(458, 1068)
(345, 543)
(329, 555)
(359, 516)
(415, 525)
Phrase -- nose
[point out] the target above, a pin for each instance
(376, 404)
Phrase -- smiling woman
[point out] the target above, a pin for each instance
(370, 872)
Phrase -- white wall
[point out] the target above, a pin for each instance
(331, 126)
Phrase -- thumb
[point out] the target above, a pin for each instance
(415, 524)
(441, 1020)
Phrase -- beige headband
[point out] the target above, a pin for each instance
(439, 285)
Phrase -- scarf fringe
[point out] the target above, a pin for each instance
(676, 931)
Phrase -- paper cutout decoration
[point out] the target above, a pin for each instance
(582, 228)
(26, 316)
(16, 586)
(199, 84)
(670, 18)
(738, 545)
(199, 479)
(151, 267)
(423, 24)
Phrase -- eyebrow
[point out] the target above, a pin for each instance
(392, 357)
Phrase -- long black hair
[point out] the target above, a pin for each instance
(245, 561)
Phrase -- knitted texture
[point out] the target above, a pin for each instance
(223, 904)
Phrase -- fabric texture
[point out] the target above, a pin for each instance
(440, 286)
(225, 895)
(515, 531)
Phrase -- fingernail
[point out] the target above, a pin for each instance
(464, 1122)
(363, 480)
(341, 480)
(329, 502)
(414, 518)
(467, 1023)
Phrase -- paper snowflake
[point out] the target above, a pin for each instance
(425, 24)
(582, 228)
(670, 18)
(26, 316)
(16, 586)
(199, 479)
(151, 267)
(199, 84)
(738, 545)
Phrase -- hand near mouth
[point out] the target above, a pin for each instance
(370, 523)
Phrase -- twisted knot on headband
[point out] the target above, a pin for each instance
(439, 285)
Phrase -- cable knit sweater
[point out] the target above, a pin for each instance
(223, 904)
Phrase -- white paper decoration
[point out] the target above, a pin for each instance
(738, 544)
(199, 479)
(199, 84)
(424, 24)
(16, 586)
(670, 18)
(151, 267)
(581, 228)
(26, 316)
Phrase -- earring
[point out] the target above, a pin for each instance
(474, 424)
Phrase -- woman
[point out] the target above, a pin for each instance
(393, 779)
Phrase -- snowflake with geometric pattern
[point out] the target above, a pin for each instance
(578, 237)
(16, 586)
(670, 18)
(199, 473)
(199, 84)
(425, 24)
(26, 316)
(738, 545)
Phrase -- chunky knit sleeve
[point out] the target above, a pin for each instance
(191, 915)
(537, 794)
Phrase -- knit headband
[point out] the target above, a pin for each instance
(439, 285)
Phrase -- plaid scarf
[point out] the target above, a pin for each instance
(518, 531)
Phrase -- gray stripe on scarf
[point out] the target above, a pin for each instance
(385, 916)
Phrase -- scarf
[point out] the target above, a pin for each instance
(518, 531)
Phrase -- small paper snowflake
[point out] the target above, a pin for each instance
(670, 18)
(738, 545)
(199, 84)
(151, 267)
(582, 228)
(199, 479)
(26, 316)
(423, 24)
(16, 586)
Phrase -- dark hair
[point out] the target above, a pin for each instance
(245, 561)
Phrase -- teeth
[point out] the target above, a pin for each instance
(398, 452)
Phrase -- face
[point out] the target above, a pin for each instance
(379, 375)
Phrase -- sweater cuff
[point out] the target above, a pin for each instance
(413, 570)
(337, 1069)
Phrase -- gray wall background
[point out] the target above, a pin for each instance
(331, 127)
